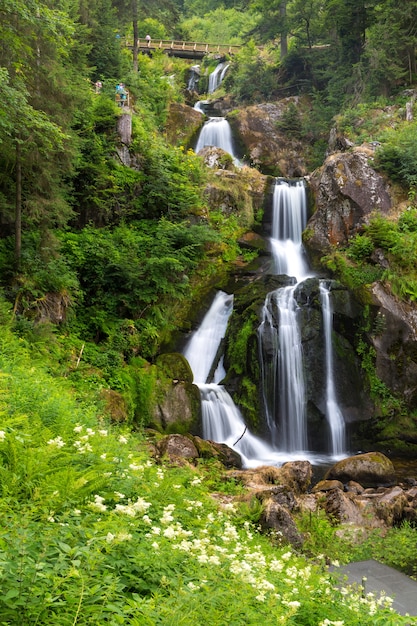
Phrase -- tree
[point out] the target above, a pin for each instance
(40, 88)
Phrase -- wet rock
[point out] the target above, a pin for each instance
(212, 450)
(296, 475)
(182, 123)
(327, 485)
(268, 148)
(354, 487)
(390, 506)
(370, 469)
(177, 447)
(395, 344)
(276, 517)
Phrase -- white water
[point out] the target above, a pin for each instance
(194, 78)
(222, 420)
(281, 358)
(216, 77)
(288, 222)
(281, 355)
(333, 415)
(216, 132)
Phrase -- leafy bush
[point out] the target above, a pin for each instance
(360, 247)
(397, 156)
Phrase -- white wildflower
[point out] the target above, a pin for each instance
(58, 442)
(135, 467)
(122, 439)
(103, 433)
(2, 435)
(170, 532)
(195, 481)
(98, 503)
(109, 537)
(141, 505)
(192, 586)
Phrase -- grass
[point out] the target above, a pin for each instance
(95, 532)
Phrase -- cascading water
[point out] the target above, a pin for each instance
(282, 368)
(216, 77)
(281, 355)
(222, 420)
(217, 132)
(194, 78)
(333, 415)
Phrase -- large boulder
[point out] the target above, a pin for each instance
(372, 469)
(182, 123)
(277, 518)
(347, 191)
(177, 404)
(268, 148)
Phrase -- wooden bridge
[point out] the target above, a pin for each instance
(183, 49)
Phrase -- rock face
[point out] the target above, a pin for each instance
(267, 148)
(347, 190)
(178, 403)
(182, 123)
(370, 470)
(395, 344)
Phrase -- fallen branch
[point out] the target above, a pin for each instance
(237, 440)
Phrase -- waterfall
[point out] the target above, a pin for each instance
(283, 386)
(216, 77)
(222, 420)
(194, 78)
(333, 414)
(216, 132)
(282, 372)
(289, 219)
(281, 356)
(201, 350)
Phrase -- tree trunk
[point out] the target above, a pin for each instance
(284, 40)
(18, 207)
(135, 34)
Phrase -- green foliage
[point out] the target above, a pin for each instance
(253, 77)
(360, 247)
(397, 156)
(220, 25)
(127, 271)
(290, 122)
(352, 275)
(387, 403)
(238, 352)
(396, 547)
(93, 531)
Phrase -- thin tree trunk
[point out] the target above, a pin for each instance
(284, 40)
(18, 207)
(135, 34)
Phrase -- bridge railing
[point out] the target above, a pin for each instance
(190, 46)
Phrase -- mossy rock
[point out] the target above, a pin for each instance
(175, 366)
(372, 469)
